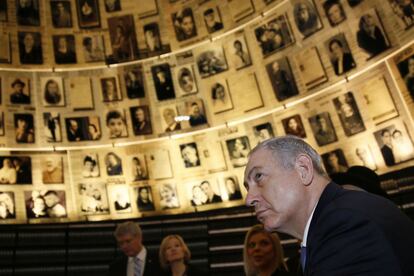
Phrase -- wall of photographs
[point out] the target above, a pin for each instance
(114, 110)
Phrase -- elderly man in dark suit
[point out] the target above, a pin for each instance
(343, 232)
(136, 261)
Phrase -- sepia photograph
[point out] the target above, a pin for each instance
(20, 91)
(145, 200)
(335, 162)
(141, 120)
(196, 112)
(134, 81)
(120, 199)
(238, 52)
(24, 128)
(112, 5)
(123, 38)
(15, 170)
(189, 155)
(246, 92)
(93, 198)
(310, 67)
(282, 79)
(154, 45)
(203, 192)
(116, 123)
(90, 165)
(53, 91)
(238, 150)
(7, 205)
(232, 188)
(45, 204)
(64, 49)
(83, 129)
(211, 62)
(5, 52)
(185, 77)
(212, 19)
(161, 74)
(113, 164)
(61, 14)
(184, 24)
(159, 161)
(169, 123)
(340, 54)
(139, 169)
(2, 132)
(52, 170)
(110, 89)
(30, 48)
(323, 129)
(220, 97)
(93, 48)
(263, 132)
(404, 11)
(406, 69)
(80, 93)
(293, 125)
(306, 17)
(364, 157)
(349, 115)
(3, 11)
(88, 14)
(52, 127)
(213, 153)
(27, 12)
(168, 196)
(334, 12)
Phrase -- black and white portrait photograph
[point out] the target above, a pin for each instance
(116, 123)
(232, 188)
(141, 120)
(195, 110)
(7, 205)
(145, 200)
(335, 162)
(53, 91)
(184, 24)
(212, 19)
(88, 14)
(113, 164)
(349, 115)
(45, 204)
(64, 49)
(93, 198)
(112, 5)
(282, 79)
(110, 89)
(406, 69)
(364, 157)
(185, 78)
(120, 199)
(3, 11)
(123, 38)
(24, 128)
(52, 127)
(274, 35)
(30, 48)
(323, 129)
(27, 12)
(83, 128)
(15, 170)
(189, 155)
(371, 36)
(238, 52)
(52, 169)
(19, 90)
(263, 132)
(139, 169)
(90, 165)
(211, 61)
(2, 132)
(93, 48)
(161, 74)
(203, 192)
(220, 97)
(293, 125)
(153, 42)
(5, 53)
(310, 67)
(169, 122)
(306, 17)
(404, 11)
(340, 54)
(61, 14)
(238, 150)
(134, 81)
(334, 12)
(168, 196)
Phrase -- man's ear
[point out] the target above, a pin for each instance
(304, 168)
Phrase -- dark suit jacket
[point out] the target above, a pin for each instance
(119, 266)
(357, 233)
(388, 155)
(347, 64)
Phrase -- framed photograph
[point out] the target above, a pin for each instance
(64, 49)
(161, 74)
(141, 120)
(24, 128)
(323, 129)
(189, 155)
(159, 164)
(340, 54)
(169, 124)
(93, 198)
(7, 204)
(45, 204)
(145, 199)
(348, 112)
(120, 199)
(110, 89)
(371, 36)
(5, 53)
(116, 123)
(154, 45)
(53, 91)
(3, 11)
(93, 48)
(184, 24)
(293, 125)
(2, 124)
(213, 154)
(134, 81)
(220, 97)
(246, 92)
(238, 52)
(310, 67)
(232, 187)
(203, 192)
(123, 38)
(30, 48)
(395, 144)
(238, 150)
(306, 17)
(334, 12)
(112, 5)
(282, 79)
(52, 170)
(147, 8)
(20, 91)
(27, 13)
(83, 128)
(364, 157)
(274, 35)
(212, 19)
(61, 14)
(195, 110)
(240, 9)
(52, 127)
(263, 132)
(335, 162)
(139, 169)
(88, 14)
(211, 62)
(15, 170)
(406, 69)
(404, 11)
(81, 97)
(185, 78)
(90, 165)
(168, 196)
(113, 164)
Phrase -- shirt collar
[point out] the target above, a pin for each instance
(141, 255)
(305, 233)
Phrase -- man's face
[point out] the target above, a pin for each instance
(50, 165)
(52, 87)
(139, 114)
(275, 67)
(196, 110)
(116, 125)
(209, 19)
(18, 88)
(129, 244)
(28, 41)
(335, 14)
(274, 191)
(386, 138)
(74, 125)
(411, 65)
(60, 8)
(187, 25)
(303, 13)
(207, 189)
(51, 200)
(190, 155)
(336, 50)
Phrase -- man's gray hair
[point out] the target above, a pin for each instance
(285, 149)
(126, 228)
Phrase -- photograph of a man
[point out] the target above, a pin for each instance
(20, 93)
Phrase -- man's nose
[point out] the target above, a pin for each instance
(251, 199)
